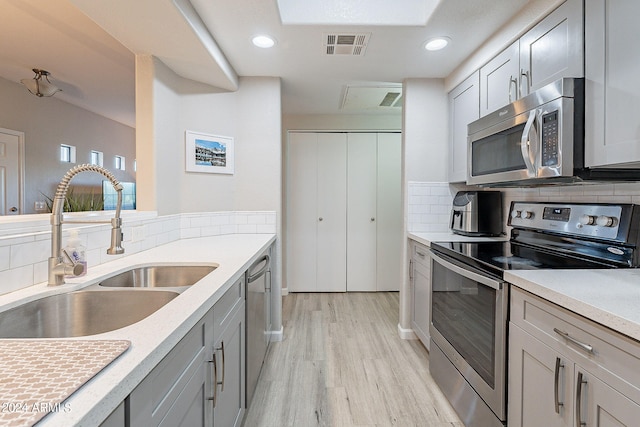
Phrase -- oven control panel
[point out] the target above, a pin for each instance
(591, 220)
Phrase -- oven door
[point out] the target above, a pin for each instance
(468, 323)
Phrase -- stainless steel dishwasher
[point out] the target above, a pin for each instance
(258, 319)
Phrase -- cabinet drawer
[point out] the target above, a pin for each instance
(420, 254)
(153, 397)
(223, 309)
(611, 353)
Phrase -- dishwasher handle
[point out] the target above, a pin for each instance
(252, 277)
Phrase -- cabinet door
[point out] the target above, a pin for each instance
(499, 80)
(553, 49)
(421, 301)
(230, 369)
(612, 110)
(331, 272)
(389, 226)
(601, 405)
(537, 376)
(302, 216)
(361, 213)
(464, 108)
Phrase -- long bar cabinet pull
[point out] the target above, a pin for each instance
(223, 365)
(579, 385)
(556, 385)
(214, 380)
(586, 347)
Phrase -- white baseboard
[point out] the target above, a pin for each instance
(285, 291)
(406, 334)
(277, 335)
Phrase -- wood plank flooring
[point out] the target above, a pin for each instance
(342, 363)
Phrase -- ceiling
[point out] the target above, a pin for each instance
(96, 70)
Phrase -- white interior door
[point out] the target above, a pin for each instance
(302, 212)
(11, 182)
(361, 212)
(332, 213)
(389, 227)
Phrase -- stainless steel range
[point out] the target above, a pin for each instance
(469, 298)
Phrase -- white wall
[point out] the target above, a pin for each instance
(344, 122)
(49, 122)
(425, 130)
(252, 116)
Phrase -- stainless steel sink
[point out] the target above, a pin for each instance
(159, 276)
(81, 313)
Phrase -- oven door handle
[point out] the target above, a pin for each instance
(485, 280)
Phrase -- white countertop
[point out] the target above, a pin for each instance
(152, 338)
(427, 238)
(608, 297)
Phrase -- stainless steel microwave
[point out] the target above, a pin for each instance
(538, 139)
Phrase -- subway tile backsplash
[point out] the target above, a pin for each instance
(429, 203)
(24, 254)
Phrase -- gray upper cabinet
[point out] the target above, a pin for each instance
(499, 80)
(553, 49)
(464, 107)
(612, 66)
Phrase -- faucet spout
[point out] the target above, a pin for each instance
(58, 267)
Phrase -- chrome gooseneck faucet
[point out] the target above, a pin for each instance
(58, 266)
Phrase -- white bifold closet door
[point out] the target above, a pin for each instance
(316, 212)
(344, 217)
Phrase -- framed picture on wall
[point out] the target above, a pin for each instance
(208, 153)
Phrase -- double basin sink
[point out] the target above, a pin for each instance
(115, 302)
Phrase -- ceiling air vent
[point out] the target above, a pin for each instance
(352, 44)
(390, 99)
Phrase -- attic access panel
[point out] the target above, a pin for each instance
(373, 98)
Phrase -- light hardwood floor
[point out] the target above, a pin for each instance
(342, 363)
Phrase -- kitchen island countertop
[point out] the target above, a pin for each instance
(153, 337)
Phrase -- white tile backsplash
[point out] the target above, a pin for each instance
(429, 203)
(23, 257)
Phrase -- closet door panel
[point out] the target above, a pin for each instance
(301, 216)
(331, 218)
(361, 212)
(389, 217)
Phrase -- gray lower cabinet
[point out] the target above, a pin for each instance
(565, 370)
(201, 381)
(420, 282)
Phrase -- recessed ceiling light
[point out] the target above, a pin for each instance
(436, 43)
(264, 42)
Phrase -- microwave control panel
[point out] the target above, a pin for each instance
(550, 139)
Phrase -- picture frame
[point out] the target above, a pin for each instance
(209, 153)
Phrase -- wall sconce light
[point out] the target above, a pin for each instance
(40, 85)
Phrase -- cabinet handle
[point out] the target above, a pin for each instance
(586, 347)
(223, 365)
(420, 254)
(372, 219)
(320, 219)
(528, 76)
(556, 385)
(579, 384)
(214, 380)
(411, 271)
(512, 82)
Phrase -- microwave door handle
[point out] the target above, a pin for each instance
(525, 144)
